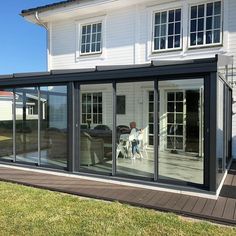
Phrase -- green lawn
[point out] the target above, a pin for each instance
(29, 211)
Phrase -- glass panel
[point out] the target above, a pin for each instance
(220, 130)
(6, 124)
(26, 125)
(194, 12)
(209, 9)
(54, 131)
(201, 11)
(178, 15)
(180, 146)
(96, 131)
(217, 8)
(135, 129)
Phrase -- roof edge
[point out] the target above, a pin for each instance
(47, 7)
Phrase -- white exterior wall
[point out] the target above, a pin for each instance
(127, 39)
(6, 110)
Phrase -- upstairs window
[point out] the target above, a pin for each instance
(91, 38)
(205, 24)
(167, 30)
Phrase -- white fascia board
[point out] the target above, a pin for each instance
(79, 9)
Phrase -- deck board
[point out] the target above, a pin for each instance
(221, 210)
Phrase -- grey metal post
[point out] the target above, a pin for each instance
(114, 130)
(39, 126)
(156, 131)
(14, 125)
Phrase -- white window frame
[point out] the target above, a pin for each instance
(205, 45)
(91, 55)
(181, 30)
(92, 113)
(80, 39)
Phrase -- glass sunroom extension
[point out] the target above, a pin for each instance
(158, 123)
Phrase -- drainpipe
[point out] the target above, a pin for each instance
(36, 15)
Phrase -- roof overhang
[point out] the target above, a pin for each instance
(102, 74)
(78, 9)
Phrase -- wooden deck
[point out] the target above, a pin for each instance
(222, 210)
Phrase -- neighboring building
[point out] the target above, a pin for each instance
(114, 62)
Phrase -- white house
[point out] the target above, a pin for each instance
(174, 112)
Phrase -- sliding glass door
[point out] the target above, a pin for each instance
(181, 127)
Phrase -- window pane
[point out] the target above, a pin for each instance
(163, 30)
(200, 25)
(193, 26)
(170, 42)
(171, 97)
(217, 22)
(163, 43)
(193, 39)
(54, 130)
(96, 134)
(157, 18)
(216, 36)
(178, 15)
(171, 29)
(83, 48)
(209, 9)
(163, 17)
(209, 23)
(171, 107)
(217, 7)
(177, 41)
(99, 35)
(179, 96)
(156, 44)
(6, 124)
(193, 12)
(88, 29)
(94, 28)
(93, 37)
(181, 157)
(177, 28)
(84, 30)
(201, 11)
(98, 48)
(209, 37)
(200, 38)
(134, 158)
(171, 16)
(179, 107)
(170, 118)
(99, 27)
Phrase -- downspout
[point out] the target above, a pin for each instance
(36, 15)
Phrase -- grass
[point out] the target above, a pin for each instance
(30, 211)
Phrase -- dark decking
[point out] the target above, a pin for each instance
(222, 210)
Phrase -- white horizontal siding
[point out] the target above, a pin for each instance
(127, 41)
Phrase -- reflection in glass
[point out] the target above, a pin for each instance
(6, 124)
(135, 130)
(26, 109)
(96, 128)
(181, 154)
(220, 129)
(54, 133)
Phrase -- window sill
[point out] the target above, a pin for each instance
(90, 56)
(220, 45)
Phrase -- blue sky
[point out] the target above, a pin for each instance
(22, 44)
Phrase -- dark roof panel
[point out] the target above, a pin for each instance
(47, 7)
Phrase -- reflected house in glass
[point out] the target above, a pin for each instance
(152, 121)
